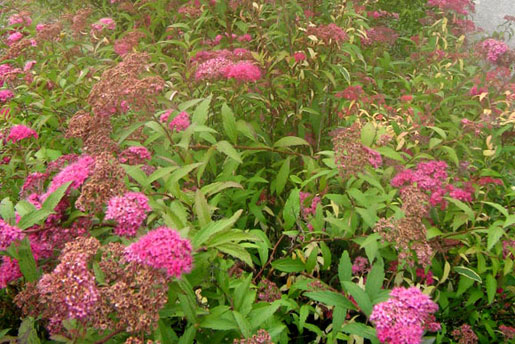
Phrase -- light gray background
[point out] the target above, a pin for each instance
(490, 13)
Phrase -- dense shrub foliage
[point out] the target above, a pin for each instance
(255, 172)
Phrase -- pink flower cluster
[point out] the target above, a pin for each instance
(311, 210)
(374, 157)
(162, 248)
(77, 173)
(425, 277)
(20, 132)
(350, 93)
(382, 14)
(226, 64)
(179, 123)
(430, 176)
(19, 19)
(360, 265)
(299, 56)
(494, 49)
(14, 37)
(104, 23)
(404, 317)
(129, 211)
(218, 38)
(5, 95)
(8, 234)
(243, 71)
(463, 7)
(135, 155)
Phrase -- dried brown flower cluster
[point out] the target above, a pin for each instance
(351, 155)
(261, 337)
(93, 131)
(268, 291)
(409, 233)
(132, 295)
(121, 88)
(79, 21)
(105, 182)
(136, 340)
(120, 296)
(49, 32)
(16, 49)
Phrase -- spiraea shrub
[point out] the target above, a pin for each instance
(220, 171)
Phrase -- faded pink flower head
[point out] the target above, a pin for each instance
(299, 56)
(104, 23)
(14, 37)
(494, 49)
(162, 248)
(212, 69)
(404, 317)
(19, 19)
(20, 132)
(181, 122)
(243, 71)
(5, 95)
(135, 155)
(129, 211)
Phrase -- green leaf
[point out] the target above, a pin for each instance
(27, 333)
(359, 296)
(26, 261)
(330, 298)
(345, 268)
(451, 153)
(491, 287)
(214, 188)
(189, 335)
(326, 255)
(243, 324)
(236, 251)
(494, 234)
(55, 197)
(291, 209)
(31, 219)
(188, 307)
(241, 292)
(214, 227)
(288, 265)
(290, 141)
(282, 177)
(375, 280)
(229, 123)
(7, 210)
(361, 330)
(201, 112)
(499, 207)
(469, 273)
(462, 206)
(368, 134)
(262, 313)
(227, 149)
(339, 314)
(202, 209)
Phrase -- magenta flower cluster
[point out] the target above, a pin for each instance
(8, 234)
(5, 95)
(179, 123)
(310, 210)
(162, 248)
(243, 71)
(463, 7)
(20, 132)
(430, 176)
(129, 211)
(404, 317)
(226, 64)
(77, 173)
(494, 49)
